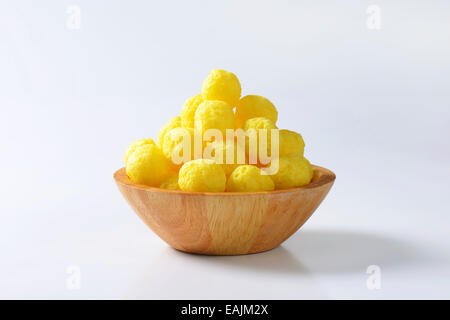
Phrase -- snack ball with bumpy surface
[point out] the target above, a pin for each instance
(222, 85)
(188, 110)
(253, 106)
(214, 114)
(171, 182)
(176, 142)
(260, 123)
(293, 171)
(248, 178)
(148, 165)
(135, 145)
(202, 175)
(227, 147)
(291, 143)
(174, 122)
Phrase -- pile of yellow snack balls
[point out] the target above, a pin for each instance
(149, 163)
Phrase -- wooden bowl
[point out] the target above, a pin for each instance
(225, 223)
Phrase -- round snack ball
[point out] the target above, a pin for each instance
(202, 175)
(253, 106)
(291, 143)
(148, 165)
(293, 172)
(171, 182)
(222, 85)
(214, 114)
(227, 147)
(173, 143)
(174, 122)
(260, 123)
(248, 178)
(188, 110)
(135, 145)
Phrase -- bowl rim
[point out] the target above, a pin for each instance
(327, 176)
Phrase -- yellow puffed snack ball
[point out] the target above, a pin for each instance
(291, 143)
(174, 122)
(222, 85)
(203, 175)
(293, 172)
(253, 106)
(248, 178)
(171, 182)
(135, 145)
(224, 147)
(214, 114)
(176, 141)
(148, 165)
(260, 123)
(188, 110)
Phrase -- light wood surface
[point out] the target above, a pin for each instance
(225, 223)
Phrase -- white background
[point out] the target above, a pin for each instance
(372, 105)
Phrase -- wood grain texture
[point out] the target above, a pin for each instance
(225, 223)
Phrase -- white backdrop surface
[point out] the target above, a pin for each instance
(372, 105)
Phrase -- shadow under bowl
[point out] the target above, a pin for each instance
(225, 223)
